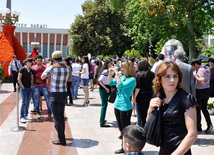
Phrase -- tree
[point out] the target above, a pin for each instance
(188, 20)
(99, 31)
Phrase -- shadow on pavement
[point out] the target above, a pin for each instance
(95, 105)
(84, 143)
(113, 124)
(203, 142)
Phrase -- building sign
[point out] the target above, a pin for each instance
(31, 25)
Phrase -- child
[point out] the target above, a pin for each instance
(134, 140)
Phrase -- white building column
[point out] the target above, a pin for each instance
(48, 49)
(34, 39)
(68, 45)
(28, 43)
(55, 42)
(21, 39)
(61, 46)
(42, 44)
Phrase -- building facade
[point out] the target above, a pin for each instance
(50, 39)
(209, 40)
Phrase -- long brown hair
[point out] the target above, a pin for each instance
(129, 67)
(161, 71)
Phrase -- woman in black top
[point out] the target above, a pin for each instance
(179, 115)
(144, 90)
(211, 65)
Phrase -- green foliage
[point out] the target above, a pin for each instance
(2, 77)
(99, 31)
(208, 51)
(160, 45)
(157, 20)
(133, 54)
(105, 56)
(210, 105)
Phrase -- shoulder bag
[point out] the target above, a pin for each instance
(113, 95)
(153, 128)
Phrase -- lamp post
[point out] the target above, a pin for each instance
(35, 44)
(9, 18)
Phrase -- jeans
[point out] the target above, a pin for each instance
(75, 85)
(37, 93)
(202, 96)
(33, 99)
(139, 121)
(57, 101)
(26, 97)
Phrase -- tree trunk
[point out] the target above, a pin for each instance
(191, 39)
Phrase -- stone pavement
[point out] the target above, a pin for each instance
(83, 133)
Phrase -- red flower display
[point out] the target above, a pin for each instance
(9, 46)
(34, 53)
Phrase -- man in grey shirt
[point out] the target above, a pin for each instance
(188, 78)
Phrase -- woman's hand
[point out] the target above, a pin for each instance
(155, 102)
(111, 69)
(116, 70)
(107, 90)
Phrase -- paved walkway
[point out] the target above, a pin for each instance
(83, 134)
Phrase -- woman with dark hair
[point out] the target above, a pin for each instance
(125, 86)
(97, 69)
(69, 81)
(85, 78)
(104, 90)
(143, 91)
(211, 65)
(179, 124)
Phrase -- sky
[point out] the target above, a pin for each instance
(54, 13)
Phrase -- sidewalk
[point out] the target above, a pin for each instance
(83, 133)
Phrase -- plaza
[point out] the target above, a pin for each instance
(84, 136)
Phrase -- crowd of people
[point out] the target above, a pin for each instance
(181, 89)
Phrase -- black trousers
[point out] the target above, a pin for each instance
(123, 118)
(69, 84)
(57, 101)
(202, 96)
(143, 108)
(15, 77)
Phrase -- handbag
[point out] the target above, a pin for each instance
(153, 128)
(113, 95)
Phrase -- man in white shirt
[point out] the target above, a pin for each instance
(160, 60)
(15, 65)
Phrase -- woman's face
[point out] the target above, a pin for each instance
(123, 70)
(170, 80)
(110, 64)
(136, 66)
(211, 64)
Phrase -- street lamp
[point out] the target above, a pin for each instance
(9, 18)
